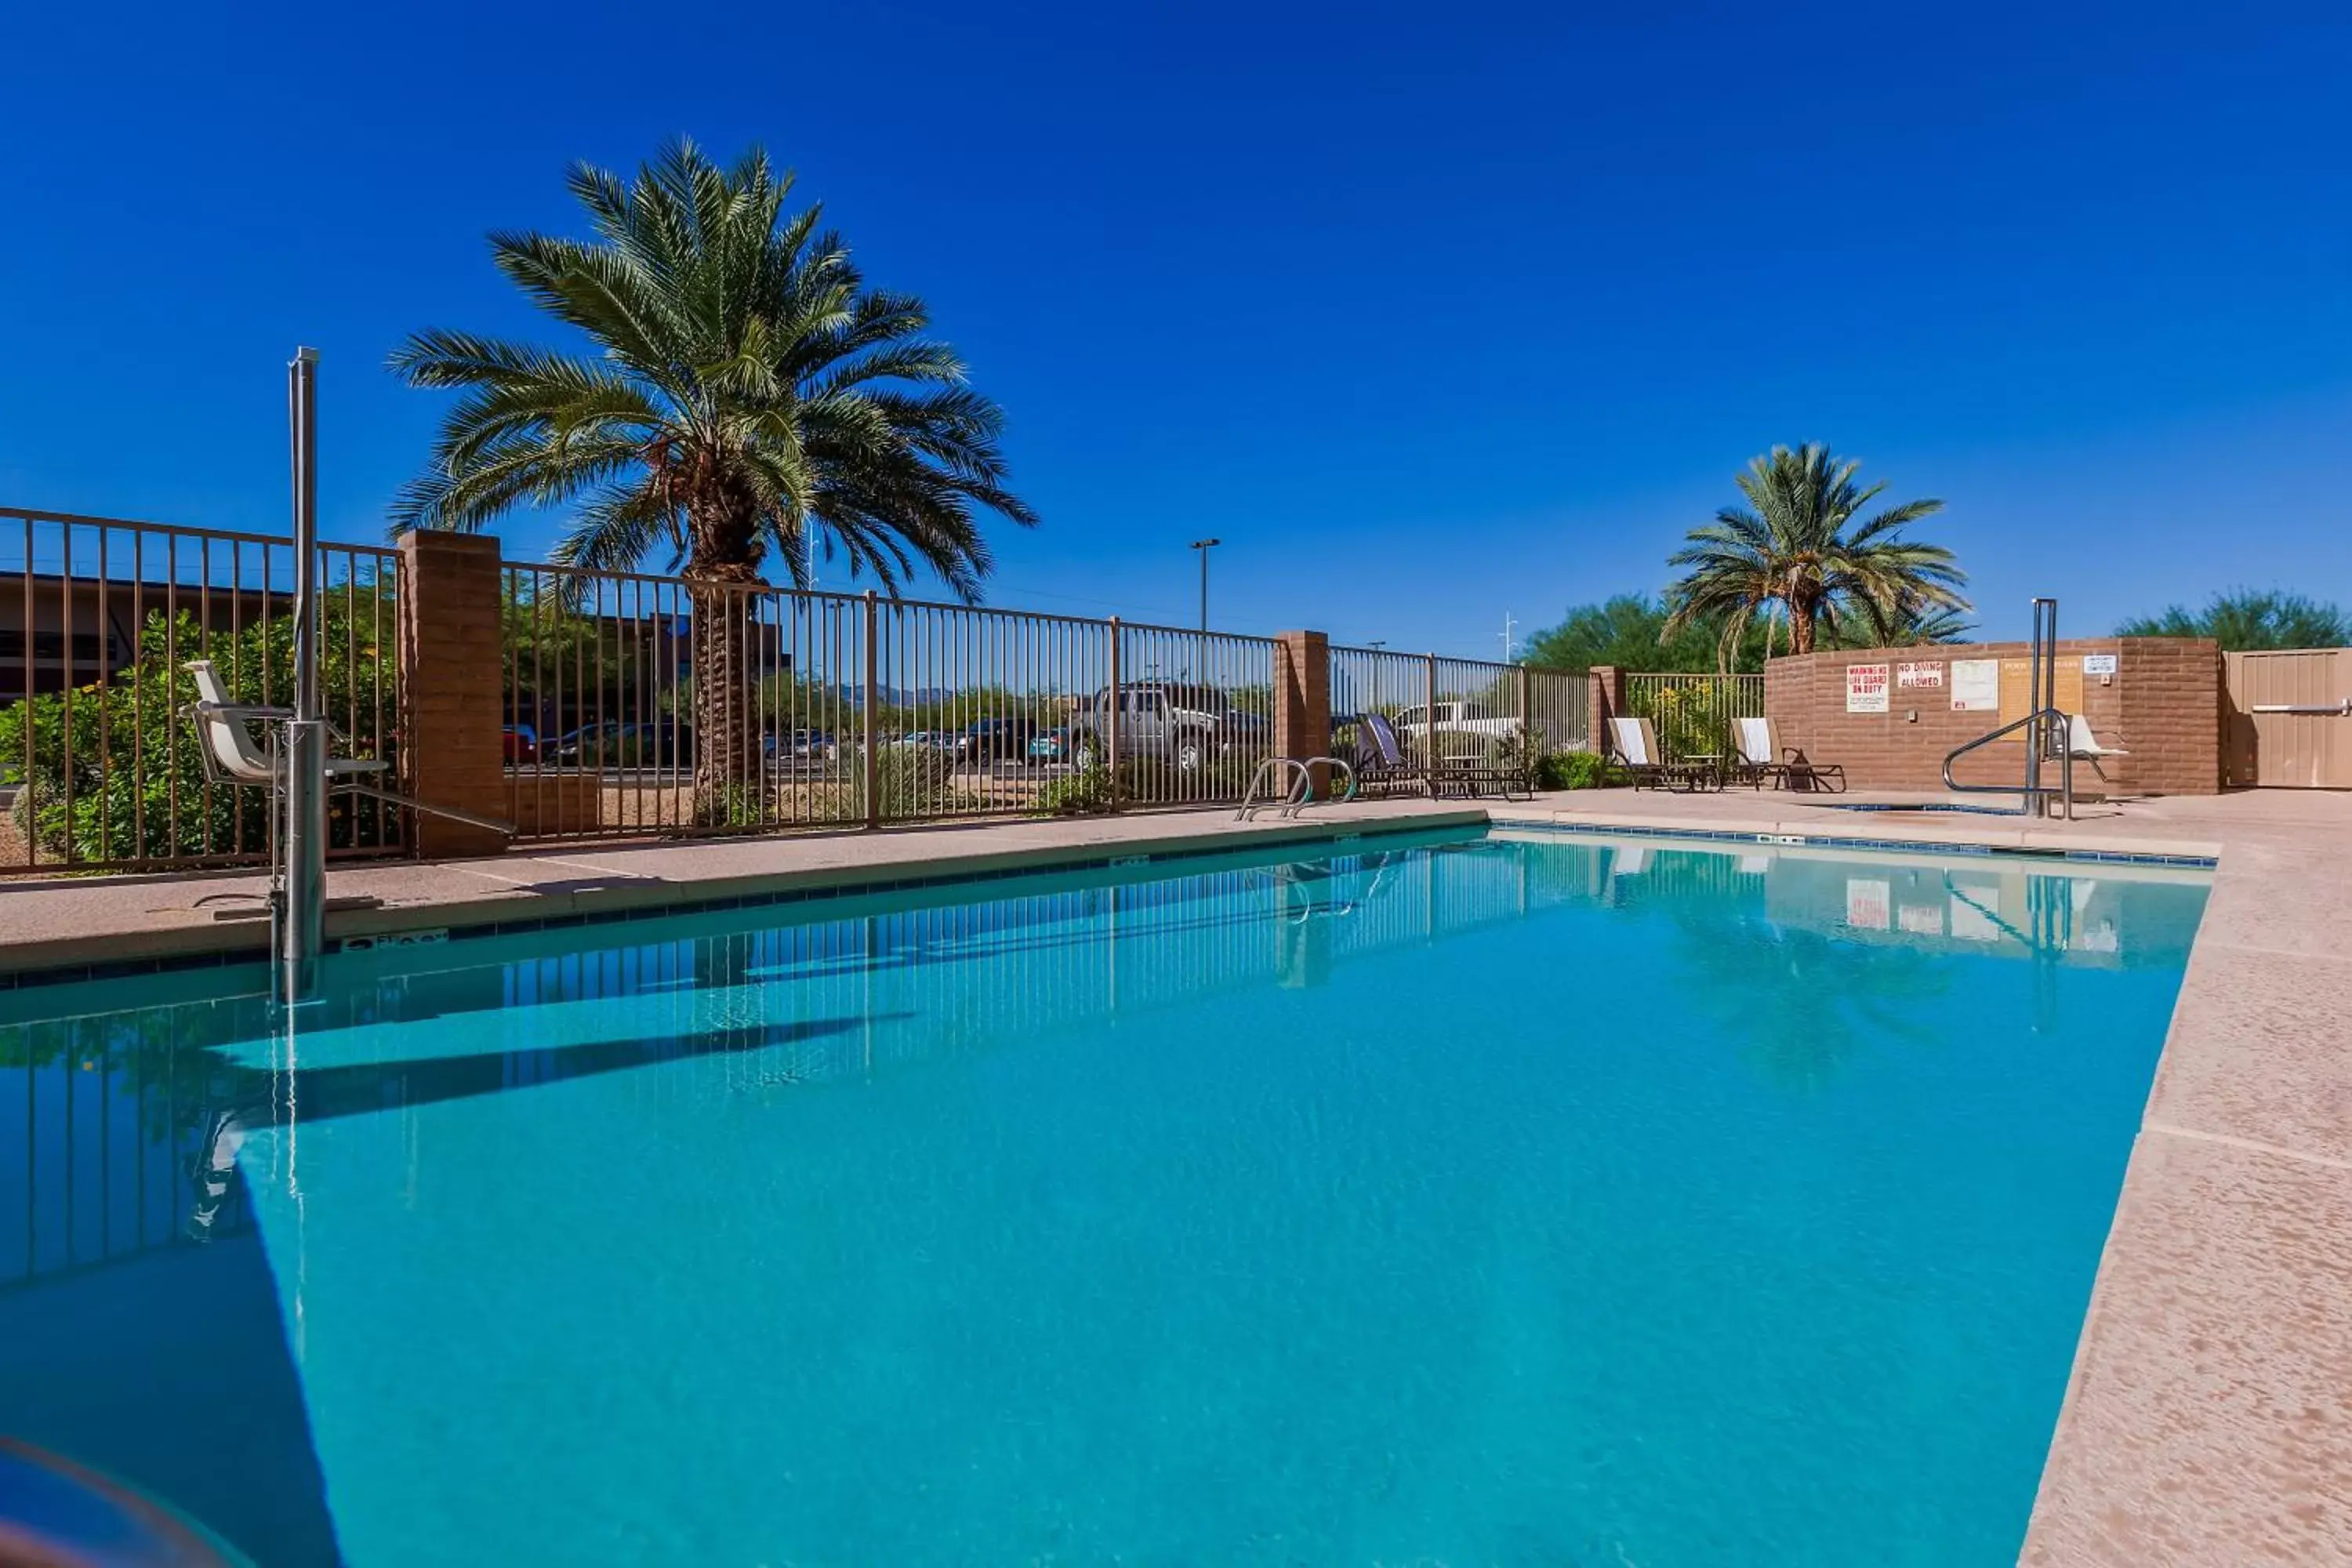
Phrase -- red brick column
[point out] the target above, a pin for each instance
(1302, 699)
(452, 654)
(1606, 701)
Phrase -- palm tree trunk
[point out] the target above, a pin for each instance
(728, 769)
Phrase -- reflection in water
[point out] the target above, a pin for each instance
(133, 1118)
(141, 1125)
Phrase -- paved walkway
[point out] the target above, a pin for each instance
(2208, 1420)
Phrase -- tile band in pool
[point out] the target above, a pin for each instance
(1047, 861)
(1842, 841)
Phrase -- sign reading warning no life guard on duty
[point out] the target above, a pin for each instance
(1865, 688)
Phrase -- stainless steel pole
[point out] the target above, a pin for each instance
(305, 751)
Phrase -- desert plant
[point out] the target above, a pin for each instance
(1083, 792)
(748, 397)
(1797, 545)
(1578, 770)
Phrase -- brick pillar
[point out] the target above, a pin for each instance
(1302, 699)
(1606, 701)
(452, 655)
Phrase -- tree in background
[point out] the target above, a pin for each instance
(744, 396)
(2243, 619)
(1909, 624)
(1797, 545)
(1629, 632)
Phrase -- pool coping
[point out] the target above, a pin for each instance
(33, 962)
(2208, 1416)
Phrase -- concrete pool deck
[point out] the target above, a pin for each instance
(2209, 1418)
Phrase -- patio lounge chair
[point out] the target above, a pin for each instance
(2085, 746)
(1761, 758)
(1475, 767)
(1633, 747)
(1380, 762)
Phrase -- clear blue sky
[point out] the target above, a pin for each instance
(1430, 312)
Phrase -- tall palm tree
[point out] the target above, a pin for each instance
(742, 397)
(1797, 544)
(1911, 623)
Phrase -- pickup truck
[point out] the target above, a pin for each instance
(1166, 722)
(1455, 719)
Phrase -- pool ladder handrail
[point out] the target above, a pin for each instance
(1298, 793)
(2049, 729)
(2055, 725)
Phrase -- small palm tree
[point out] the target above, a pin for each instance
(1797, 545)
(745, 398)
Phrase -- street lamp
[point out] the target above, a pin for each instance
(1204, 546)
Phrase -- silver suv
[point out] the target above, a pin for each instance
(1169, 722)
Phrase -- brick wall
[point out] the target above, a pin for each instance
(453, 656)
(2163, 705)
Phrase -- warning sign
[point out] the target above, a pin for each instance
(1865, 688)
(1920, 677)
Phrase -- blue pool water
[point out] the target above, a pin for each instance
(1544, 1202)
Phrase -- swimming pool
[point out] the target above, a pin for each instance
(1493, 1199)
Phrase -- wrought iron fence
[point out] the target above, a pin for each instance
(1693, 713)
(99, 619)
(1457, 707)
(830, 709)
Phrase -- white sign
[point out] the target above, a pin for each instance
(2098, 664)
(1867, 904)
(1976, 686)
(1928, 677)
(1921, 920)
(1865, 688)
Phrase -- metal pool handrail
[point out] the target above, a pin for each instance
(1300, 794)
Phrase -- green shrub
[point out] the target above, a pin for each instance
(136, 767)
(1081, 793)
(1577, 770)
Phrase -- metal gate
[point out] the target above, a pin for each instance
(2287, 723)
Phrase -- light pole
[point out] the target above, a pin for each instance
(1204, 546)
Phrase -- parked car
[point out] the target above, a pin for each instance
(521, 744)
(618, 743)
(993, 740)
(1173, 722)
(798, 743)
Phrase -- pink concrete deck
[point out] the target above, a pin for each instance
(2209, 1419)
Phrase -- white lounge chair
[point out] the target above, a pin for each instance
(1634, 746)
(2084, 746)
(232, 755)
(1762, 757)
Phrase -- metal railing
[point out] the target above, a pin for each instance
(1693, 714)
(1480, 707)
(831, 709)
(98, 617)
